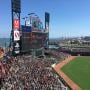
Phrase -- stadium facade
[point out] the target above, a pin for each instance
(29, 37)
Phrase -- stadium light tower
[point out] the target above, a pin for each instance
(15, 33)
(47, 21)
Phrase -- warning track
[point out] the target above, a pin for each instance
(58, 67)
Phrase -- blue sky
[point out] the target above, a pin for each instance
(68, 17)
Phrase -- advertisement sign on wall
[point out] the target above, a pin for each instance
(26, 28)
(16, 24)
(16, 47)
(16, 35)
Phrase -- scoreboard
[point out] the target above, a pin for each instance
(32, 40)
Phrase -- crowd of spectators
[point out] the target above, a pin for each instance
(25, 73)
(58, 54)
(1, 52)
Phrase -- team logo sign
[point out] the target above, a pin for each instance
(16, 47)
(16, 35)
(16, 24)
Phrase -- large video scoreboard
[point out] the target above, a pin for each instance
(32, 40)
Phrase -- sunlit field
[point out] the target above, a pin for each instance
(79, 71)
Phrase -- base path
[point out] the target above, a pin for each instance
(58, 67)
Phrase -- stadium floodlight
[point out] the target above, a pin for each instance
(16, 5)
(47, 16)
(31, 13)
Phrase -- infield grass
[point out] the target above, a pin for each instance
(78, 70)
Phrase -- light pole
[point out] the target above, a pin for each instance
(25, 18)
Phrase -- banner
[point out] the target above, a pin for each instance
(16, 47)
(16, 35)
(16, 24)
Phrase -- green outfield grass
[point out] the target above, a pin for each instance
(79, 71)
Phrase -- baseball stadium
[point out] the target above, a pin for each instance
(34, 61)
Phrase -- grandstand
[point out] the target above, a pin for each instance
(25, 73)
(1, 52)
(75, 47)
